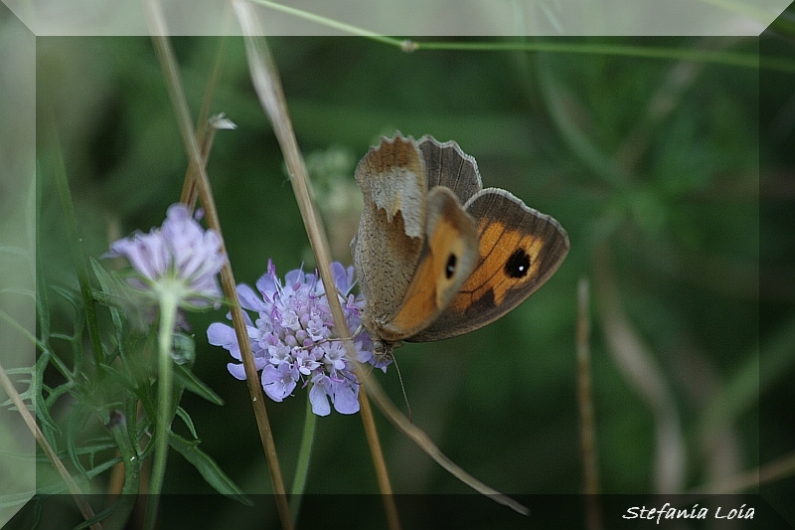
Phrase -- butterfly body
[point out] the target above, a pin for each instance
(436, 254)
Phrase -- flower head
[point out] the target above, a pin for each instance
(292, 338)
(180, 258)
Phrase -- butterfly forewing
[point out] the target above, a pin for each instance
(447, 165)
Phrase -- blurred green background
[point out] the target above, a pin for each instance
(652, 166)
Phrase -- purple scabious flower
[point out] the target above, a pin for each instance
(291, 338)
(180, 258)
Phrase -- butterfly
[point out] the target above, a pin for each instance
(436, 254)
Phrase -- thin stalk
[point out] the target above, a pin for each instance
(745, 60)
(268, 88)
(585, 401)
(8, 319)
(419, 437)
(742, 60)
(643, 373)
(302, 467)
(373, 440)
(587, 434)
(177, 94)
(744, 8)
(781, 468)
(206, 133)
(328, 22)
(168, 314)
(266, 82)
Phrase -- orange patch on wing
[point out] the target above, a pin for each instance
(425, 296)
(419, 305)
(497, 244)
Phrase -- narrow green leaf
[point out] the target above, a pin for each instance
(192, 383)
(106, 281)
(98, 517)
(207, 467)
(75, 424)
(132, 470)
(42, 411)
(183, 414)
(42, 303)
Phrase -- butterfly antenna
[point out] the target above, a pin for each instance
(400, 376)
(403, 390)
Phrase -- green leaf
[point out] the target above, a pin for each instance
(106, 281)
(74, 426)
(207, 467)
(104, 514)
(187, 379)
(182, 413)
(42, 306)
(42, 410)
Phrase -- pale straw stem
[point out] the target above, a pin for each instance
(268, 87)
(168, 62)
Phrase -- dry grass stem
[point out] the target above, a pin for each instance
(778, 469)
(421, 439)
(206, 134)
(268, 87)
(168, 62)
(585, 401)
(85, 508)
(642, 372)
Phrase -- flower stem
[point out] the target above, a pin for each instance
(302, 467)
(168, 313)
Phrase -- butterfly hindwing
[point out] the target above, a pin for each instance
(518, 250)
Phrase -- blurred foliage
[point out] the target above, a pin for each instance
(652, 166)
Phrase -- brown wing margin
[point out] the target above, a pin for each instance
(519, 249)
(447, 165)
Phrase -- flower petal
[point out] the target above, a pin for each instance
(319, 400)
(346, 397)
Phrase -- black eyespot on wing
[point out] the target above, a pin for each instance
(518, 264)
(449, 268)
